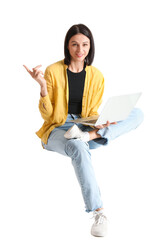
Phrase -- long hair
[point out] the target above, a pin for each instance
(75, 29)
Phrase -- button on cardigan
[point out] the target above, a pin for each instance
(54, 106)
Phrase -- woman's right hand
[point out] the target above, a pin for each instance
(37, 74)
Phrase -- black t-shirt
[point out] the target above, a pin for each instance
(76, 83)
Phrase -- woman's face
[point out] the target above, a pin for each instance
(79, 46)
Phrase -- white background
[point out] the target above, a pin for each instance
(39, 195)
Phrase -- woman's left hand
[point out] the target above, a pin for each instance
(105, 125)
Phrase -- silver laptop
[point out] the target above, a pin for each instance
(117, 108)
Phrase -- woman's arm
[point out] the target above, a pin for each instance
(97, 100)
(43, 91)
(97, 97)
(45, 106)
(46, 99)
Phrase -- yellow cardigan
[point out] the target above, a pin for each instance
(54, 106)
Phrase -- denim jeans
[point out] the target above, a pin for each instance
(79, 152)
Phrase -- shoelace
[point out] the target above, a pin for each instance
(99, 217)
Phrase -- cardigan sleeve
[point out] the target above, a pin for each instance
(45, 103)
(97, 98)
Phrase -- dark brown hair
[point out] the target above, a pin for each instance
(75, 29)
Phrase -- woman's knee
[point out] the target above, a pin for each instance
(75, 147)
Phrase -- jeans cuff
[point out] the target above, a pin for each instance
(102, 133)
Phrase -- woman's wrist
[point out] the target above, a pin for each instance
(44, 90)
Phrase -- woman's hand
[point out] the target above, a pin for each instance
(105, 125)
(37, 74)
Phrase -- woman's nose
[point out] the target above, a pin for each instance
(79, 48)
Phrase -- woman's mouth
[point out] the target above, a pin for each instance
(79, 55)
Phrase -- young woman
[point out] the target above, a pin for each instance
(73, 88)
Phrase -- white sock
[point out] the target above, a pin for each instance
(85, 136)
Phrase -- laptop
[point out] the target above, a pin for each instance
(117, 108)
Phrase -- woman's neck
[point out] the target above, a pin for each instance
(76, 66)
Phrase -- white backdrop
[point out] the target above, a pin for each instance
(40, 197)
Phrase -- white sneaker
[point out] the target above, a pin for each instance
(75, 132)
(99, 227)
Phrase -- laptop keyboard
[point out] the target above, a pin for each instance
(90, 121)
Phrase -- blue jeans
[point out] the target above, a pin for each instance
(79, 152)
